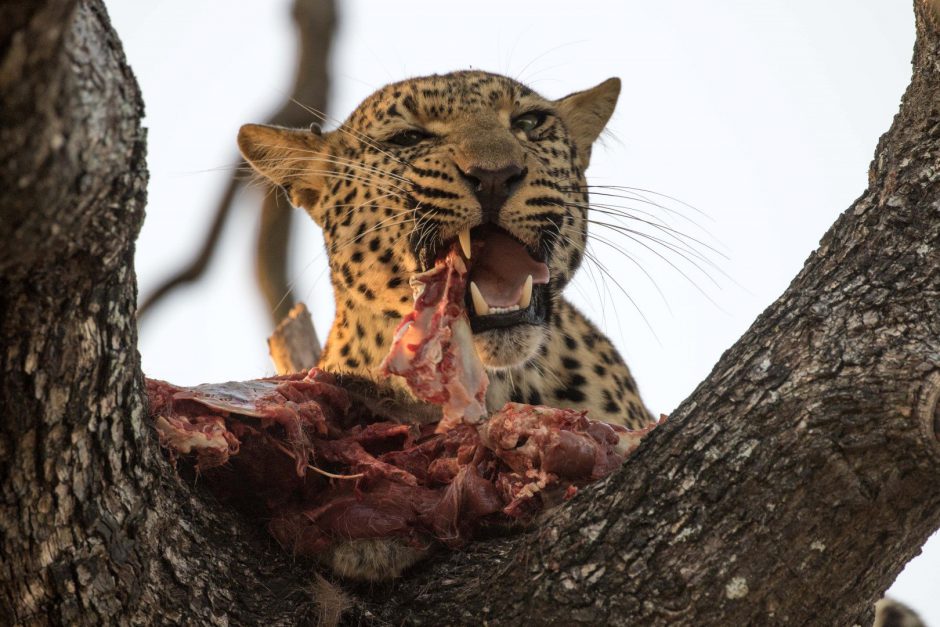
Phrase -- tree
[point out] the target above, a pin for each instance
(791, 486)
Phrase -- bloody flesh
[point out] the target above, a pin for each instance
(285, 449)
(433, 346)
(295, 451)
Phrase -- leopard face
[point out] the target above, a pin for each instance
(467, 159)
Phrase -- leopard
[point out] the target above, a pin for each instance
(470, 159)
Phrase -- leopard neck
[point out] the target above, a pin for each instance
(359, 340)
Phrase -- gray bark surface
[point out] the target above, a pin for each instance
(790, 487)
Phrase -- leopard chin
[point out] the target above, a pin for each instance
(509, 347)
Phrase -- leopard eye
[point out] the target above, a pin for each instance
(528, 122)
(406, 139)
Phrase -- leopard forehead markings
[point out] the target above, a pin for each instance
(390, 189)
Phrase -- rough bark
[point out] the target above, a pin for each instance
(791, 486)
(294, 346)
(95, 526)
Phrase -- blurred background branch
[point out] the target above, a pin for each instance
(315, 21)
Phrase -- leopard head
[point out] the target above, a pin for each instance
(470, 157)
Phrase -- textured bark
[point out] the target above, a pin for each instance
(294, 346)
(791, 486)
(95, 526)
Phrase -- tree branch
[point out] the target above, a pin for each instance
(97, 528)
(316, 22)
(791, 486)
(294, 346)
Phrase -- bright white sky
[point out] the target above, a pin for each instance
(763, 115)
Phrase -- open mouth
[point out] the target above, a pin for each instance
(507, 285)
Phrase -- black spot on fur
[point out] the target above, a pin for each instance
(574, 395)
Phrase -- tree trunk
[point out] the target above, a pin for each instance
(790, 487)
(95, 526)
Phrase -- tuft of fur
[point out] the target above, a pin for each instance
(330, 600)
(374, 559)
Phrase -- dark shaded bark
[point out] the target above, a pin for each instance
(791, 486)
(95, 526)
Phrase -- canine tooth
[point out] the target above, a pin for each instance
(526, 297)
(464, 237)
(479, 305)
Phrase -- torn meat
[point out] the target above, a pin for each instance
(433, 346)
(291, 451)
(294, 451)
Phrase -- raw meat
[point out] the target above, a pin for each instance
(292, 451)
(296, 452)
(433, 346)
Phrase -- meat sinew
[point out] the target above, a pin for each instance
(295, 451)
(292, 451)
(433, 346)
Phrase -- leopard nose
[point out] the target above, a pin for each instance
(493, 187)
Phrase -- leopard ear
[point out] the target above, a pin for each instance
(586, 113)
(287, 157)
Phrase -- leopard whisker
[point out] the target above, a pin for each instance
(568, 44)
(326, 158)
(634, 261)
(595, 262)
(556, 236)
(677, 246)
(681, 239)
(641, 190)
(332, 158)
(623, 290)
(378, 226)
(343, 176)
(689, 256)
(634, 237)
(285, 170)
(672, 232)
(669, 211)
(588, 255)
(545, 372)
(681, 242)
(350, 163)
(635, 197)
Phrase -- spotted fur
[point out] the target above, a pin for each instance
(386, 209)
